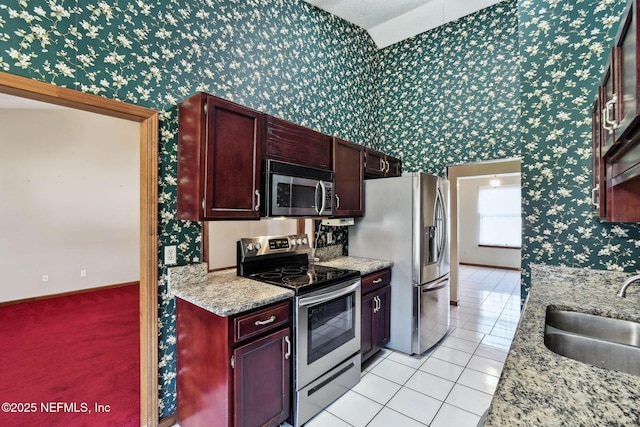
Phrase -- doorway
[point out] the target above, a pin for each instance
(454, 174)
(148, 141)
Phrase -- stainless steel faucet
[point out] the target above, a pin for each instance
(625, 285)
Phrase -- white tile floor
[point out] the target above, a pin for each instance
(451, 385)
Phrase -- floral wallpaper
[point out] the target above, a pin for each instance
(563, 48)
(451, 95)
(283, 57)
(513, 80)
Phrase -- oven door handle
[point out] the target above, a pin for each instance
(305, 301)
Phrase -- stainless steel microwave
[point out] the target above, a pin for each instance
(294, 190)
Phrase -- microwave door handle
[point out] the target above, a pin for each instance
(324, 198)
(318, 184)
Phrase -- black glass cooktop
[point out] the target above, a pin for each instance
(304, 278)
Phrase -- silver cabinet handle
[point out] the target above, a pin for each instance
(266, 322)
(257, 200)
(378, 304)
(337, 202)
(387, 162)
(381, 164)
(288, 353)
(377, 281)
(593, 197)
(606, 115)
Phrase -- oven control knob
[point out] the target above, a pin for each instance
(299, 241)
(258, 246)
(293, 242)
(249, 247)
(304, 241)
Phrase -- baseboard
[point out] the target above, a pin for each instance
(489, 266)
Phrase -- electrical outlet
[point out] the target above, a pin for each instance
(170, 255)
(83, 273)
(329, 236)
(45, 277)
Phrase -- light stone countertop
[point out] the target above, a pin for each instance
(363, 265)
(222, 292)
(541, 388)
(225, 294)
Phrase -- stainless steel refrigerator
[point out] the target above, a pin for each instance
(407, 221)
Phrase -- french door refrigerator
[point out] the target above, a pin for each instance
(406, 221)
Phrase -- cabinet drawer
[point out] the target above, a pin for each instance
(376, 280)
(257, 322)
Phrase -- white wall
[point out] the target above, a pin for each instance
(70, 201)
(223, 236)
(469, 221)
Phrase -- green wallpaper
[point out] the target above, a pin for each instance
(563, 48)
(283, 57)
(451, 95)
(515, 79)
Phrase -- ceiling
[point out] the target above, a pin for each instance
(391, 21)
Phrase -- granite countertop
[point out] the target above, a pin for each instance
(222, 292)
(225, 294)
(363, 265)
(541, 388)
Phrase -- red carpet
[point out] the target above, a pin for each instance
(71, 360)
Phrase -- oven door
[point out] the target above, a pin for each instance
(328, 329)
(295, 196)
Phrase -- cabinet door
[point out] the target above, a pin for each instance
(598, 189)
(394, 166)
(374, 164)
(609, 122)
(233, 168)
(348, 169)
(262, 381)
(382, 318)
(626, 74)
(366, 333)
(219, 160)
(296, 144)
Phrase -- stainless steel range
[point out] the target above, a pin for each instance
(326, 317)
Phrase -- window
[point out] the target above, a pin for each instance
(500, 218)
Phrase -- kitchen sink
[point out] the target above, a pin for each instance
(612, 344)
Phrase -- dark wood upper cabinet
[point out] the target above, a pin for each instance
(348, 186)
(608, 107)
(219, 159)
(598, 188)
(380, 165)
(625, 59)
(616, 174)
(292, 143)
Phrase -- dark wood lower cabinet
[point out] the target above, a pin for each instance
(230, 374)
(262, 380)
(376, 312)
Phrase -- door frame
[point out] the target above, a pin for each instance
(148, 119)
